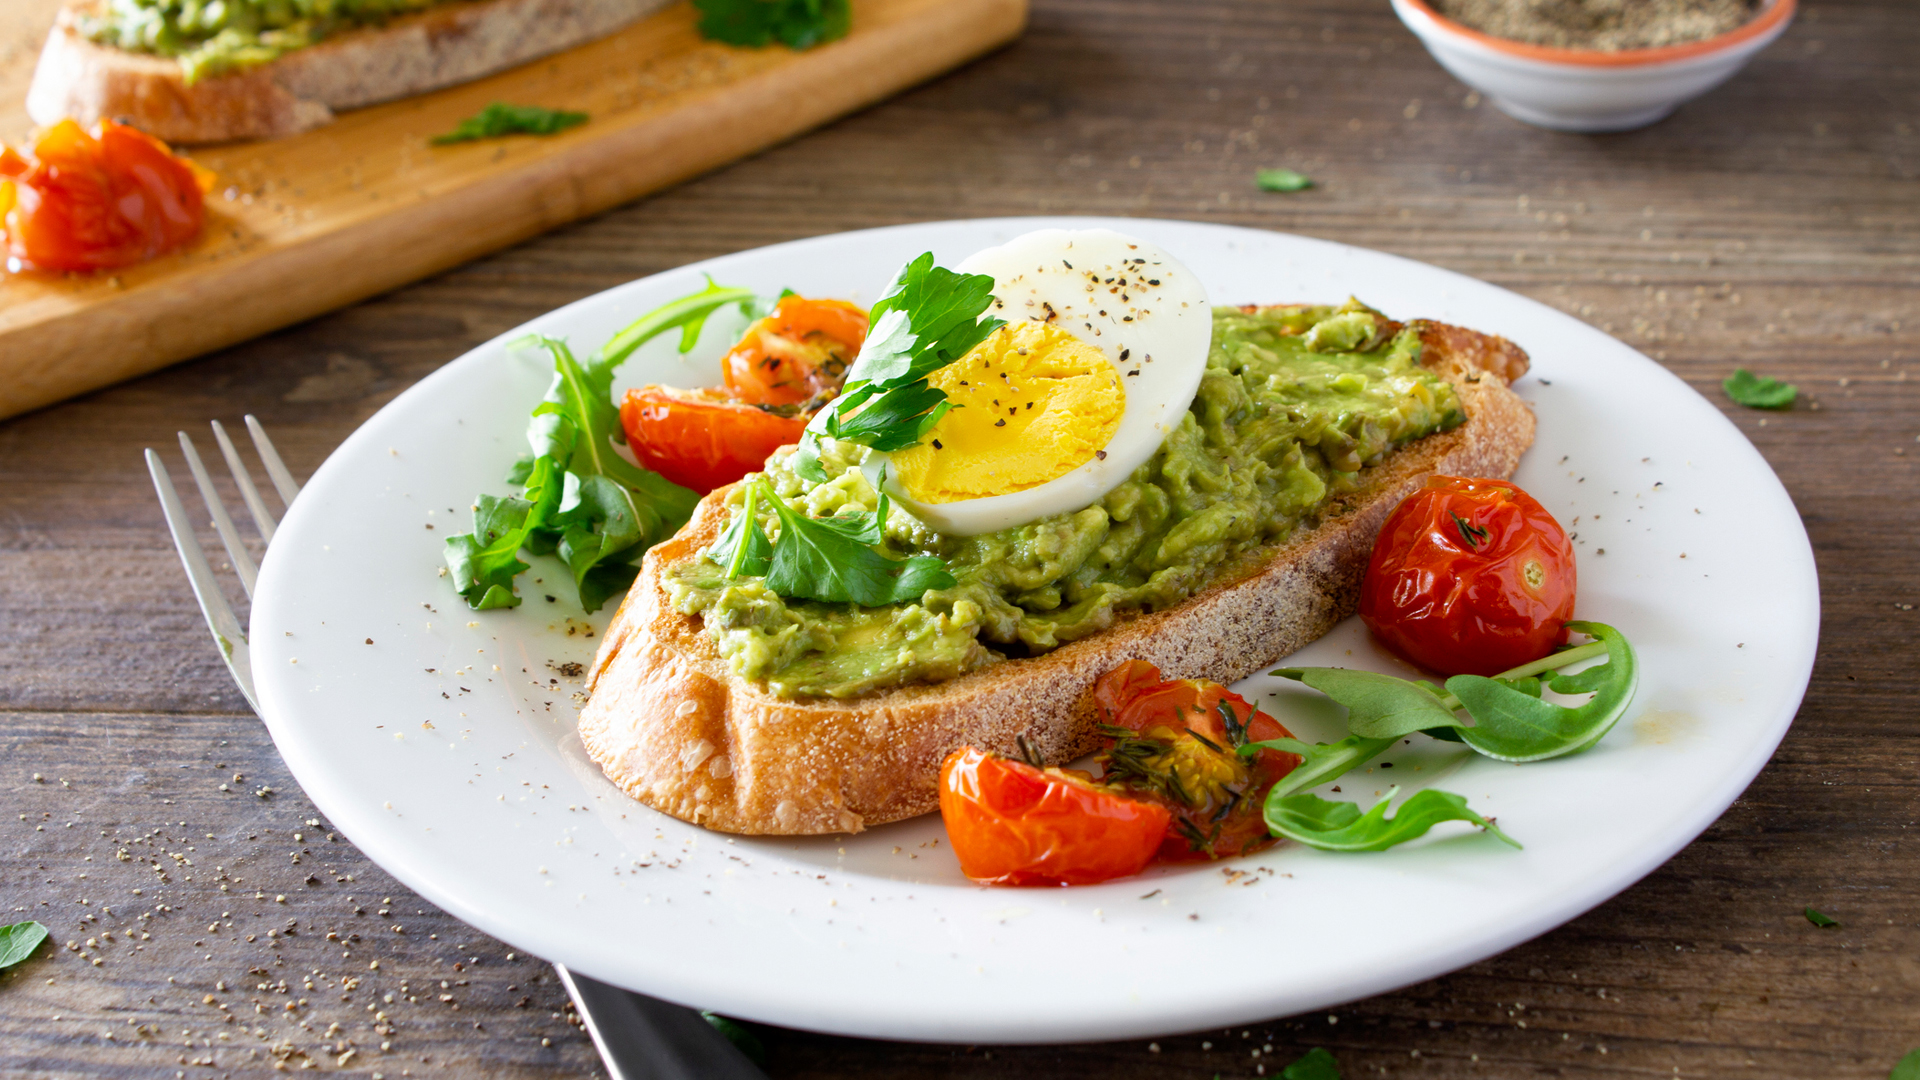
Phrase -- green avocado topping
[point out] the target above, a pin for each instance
(213, 37)
(1295, 404)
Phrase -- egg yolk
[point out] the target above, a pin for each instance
(1031, 404)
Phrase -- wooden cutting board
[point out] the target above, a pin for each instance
(300, 226)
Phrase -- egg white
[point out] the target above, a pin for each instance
(1138, 305)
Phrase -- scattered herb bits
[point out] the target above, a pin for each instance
(18, 941)
(500, 119)
(1819, 920)
(1282, 180)
(797, 24)
(1758, 391)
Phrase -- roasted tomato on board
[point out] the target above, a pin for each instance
(1176, 741)
(797, 353)
(1470, 577)
(98, 200)
(1012, 823)
(784, 368)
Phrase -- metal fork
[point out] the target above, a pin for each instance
(638, 1037)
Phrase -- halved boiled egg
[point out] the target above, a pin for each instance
(1105, 343)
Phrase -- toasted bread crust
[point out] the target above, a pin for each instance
(301, 90)
(671, 725)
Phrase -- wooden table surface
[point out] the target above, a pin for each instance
(1774, 224)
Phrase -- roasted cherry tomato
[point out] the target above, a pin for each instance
(1176, 742)
(702, 439)
(98, 201)
(1470, 577)
(797, 353)
(1012, 823)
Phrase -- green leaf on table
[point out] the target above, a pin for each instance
(1282, 180)
(1512, 723)
(1907, 1068)
(833, 560)
(740, 1035)
(1340, 826)
(1315, 1064)
(1759, 392)
(1822, 921)
(797, 24)
(501, 118)
(18, 941)
(1378, 706)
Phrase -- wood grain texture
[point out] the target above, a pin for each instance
(1780, 234)
(306, 224)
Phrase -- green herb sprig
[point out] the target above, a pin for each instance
(797, 24)
(500, 119)
(1315, 1064)
(928, 318)
(18, 941)
(1282, 180)
(1510, 722)
(1821, 920)
(1759, 392)
(829, 559)
(582, 499)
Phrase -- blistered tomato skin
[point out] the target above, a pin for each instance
(99, 201)
(702, 439)
(796, 353)
(1470, 577)
(1013, 824)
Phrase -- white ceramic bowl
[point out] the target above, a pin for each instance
(1585, 89)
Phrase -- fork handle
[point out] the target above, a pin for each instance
(644, 1038)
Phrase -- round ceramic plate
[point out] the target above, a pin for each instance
(442, 741)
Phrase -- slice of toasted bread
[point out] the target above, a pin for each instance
(444, 45)
(674, 728)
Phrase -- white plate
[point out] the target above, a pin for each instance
(469, 784)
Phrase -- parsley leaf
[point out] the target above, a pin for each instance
(1758, 392)
(1315, 1064)
(797, 24)
(1907, 1068)
(1822, 921)
(833, 559)
(1339, 826)
(501, 118)
(928, 318)
(18, 941)
(1282, 180)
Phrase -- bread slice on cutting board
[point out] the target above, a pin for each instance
(444, 45)
(676, 729)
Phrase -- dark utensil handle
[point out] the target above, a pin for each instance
(643, 1038)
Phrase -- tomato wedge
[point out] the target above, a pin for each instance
(1176, 741)
(702, 439)
(797, 353)
(98, 201)
(1012, 823)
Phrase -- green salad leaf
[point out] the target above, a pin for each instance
(1315, 1064)
(797, 24)
(1321, 762)
(1512, 723)
(1282, 180)
(1820, 920)
(1378, 706)
(1907, 1068)
(596, 510)
(1340, 826)
(18, 941)
(501, 118)
(928, 318)
(1759, 392)
(829, 559)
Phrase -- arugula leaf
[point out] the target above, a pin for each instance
(1907, 1068)
(1315, 1064)
(1510, 725)
(797, 24)
(1758, 392)
(18, 941)
(928, 318)
(743, 548)
(687, 314)
(1282, 180)
(485, 562)
(1339, 826)
(832, 559)
(740, 1035)
(1819, 920)
(501, 118)
(1378, 706)
(1322, 761)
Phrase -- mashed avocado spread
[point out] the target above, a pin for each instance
(1295, 403)
(211, 37)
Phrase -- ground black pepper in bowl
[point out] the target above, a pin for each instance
(1601, 25)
